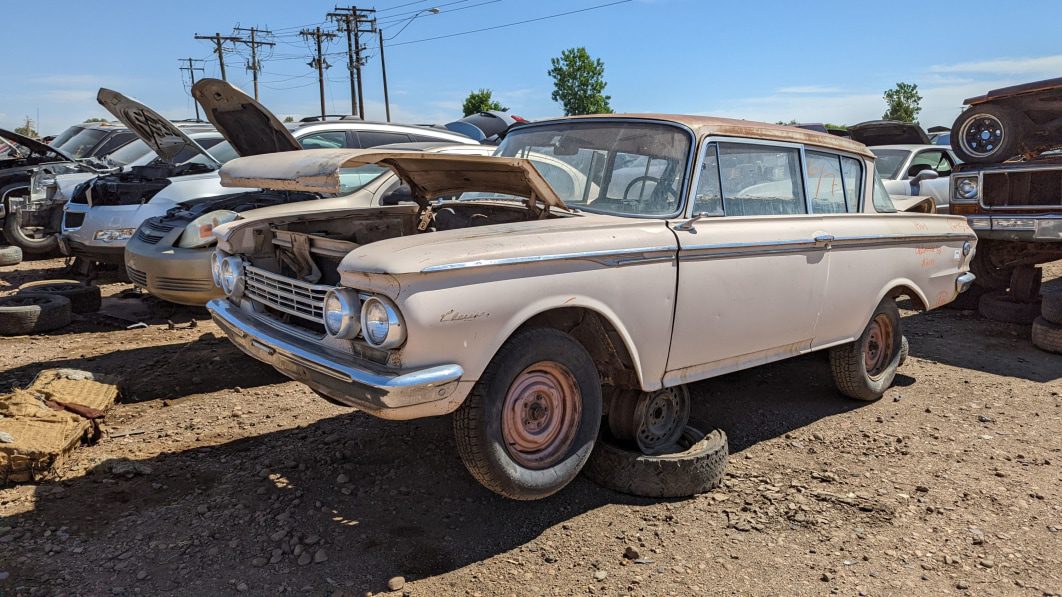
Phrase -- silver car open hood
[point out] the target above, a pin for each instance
(161, 135)
(429, 175)
(247, 125)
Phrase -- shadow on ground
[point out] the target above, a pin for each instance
(384, 498)
(206, 364)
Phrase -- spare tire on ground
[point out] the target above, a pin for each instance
(1051, 308)
(10, 256)
(83, 298)
(697, 468)
(1047, 335)
(30, 313)
(1001, 306)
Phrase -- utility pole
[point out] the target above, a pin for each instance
(350, 21)
(191, 68)
(254, 66)
(319, 62)
(383, 69)
(218, 40)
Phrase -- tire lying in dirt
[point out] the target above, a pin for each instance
(1047, 335)
(696, 469)
(905, 351)
(1001, 306)
(31, 313)
(969, 300)
(865, 368)
(989, 133)
(1051, 308)
(10, 256)
(83, 298)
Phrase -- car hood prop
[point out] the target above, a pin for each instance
(247, 125)
(161, 135)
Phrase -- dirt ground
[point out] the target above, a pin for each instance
(244, 482)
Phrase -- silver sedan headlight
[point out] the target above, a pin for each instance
(232, 276)
(381, 323)
(966, 189)
(342, 309)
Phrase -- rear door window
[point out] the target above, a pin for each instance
(825, 183)
(761, 180)
(324, 140)
(852, 172)
(374, 138)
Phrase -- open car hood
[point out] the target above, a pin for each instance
(888, 132)
(34, 145)
(429, 175)
(161, 135)
(246, 124)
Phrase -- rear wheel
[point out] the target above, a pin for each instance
(865, 368)
(988, 133)
(529, 425)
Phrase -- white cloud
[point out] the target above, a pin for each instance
(1047, 66)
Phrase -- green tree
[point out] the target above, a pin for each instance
(579, 83)
(289, 119)
(88, 120)
(903, 103)
(481, 101)
(28, 129)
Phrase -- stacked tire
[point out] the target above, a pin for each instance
(1019, 303)
(10, 256)
(1047, 328)
(45, 306)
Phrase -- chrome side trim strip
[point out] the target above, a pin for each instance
(609, 257)
(697, 252)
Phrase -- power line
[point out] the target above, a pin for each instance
(393, 21)
(191, 68)
(513, 24)
(402, 5)
(254, 65)
(319, 62)
(218, 40)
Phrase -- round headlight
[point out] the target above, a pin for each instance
(341, 309)
(966, 189)
(381, 324)
(966, 248)
(232, 276)
(215, 268)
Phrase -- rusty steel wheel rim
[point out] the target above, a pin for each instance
(541, 415)
(877, 348)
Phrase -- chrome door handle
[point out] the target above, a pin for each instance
(823, 240)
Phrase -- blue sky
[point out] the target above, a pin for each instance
(765, 60)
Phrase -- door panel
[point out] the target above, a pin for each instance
(750, 291)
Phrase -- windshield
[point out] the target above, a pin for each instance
(352, 179)
(219, 149)
(81, 143)
(65, 136)
(623, 168)
(890, 161)
(129, 153)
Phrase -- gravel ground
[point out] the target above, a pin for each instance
(220, 477)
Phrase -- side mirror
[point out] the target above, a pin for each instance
(926, 174)
(399, 195)
(917, 169)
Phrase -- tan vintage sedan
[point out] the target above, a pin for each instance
(542, 306)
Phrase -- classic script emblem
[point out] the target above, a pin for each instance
(453, 316)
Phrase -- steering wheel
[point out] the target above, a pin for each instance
(654, 198)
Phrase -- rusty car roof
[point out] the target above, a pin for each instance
(730, 127)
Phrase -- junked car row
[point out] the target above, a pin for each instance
(555, 294)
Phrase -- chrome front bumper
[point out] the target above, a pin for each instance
(1017, 227)
(964, 281)
(380, 391)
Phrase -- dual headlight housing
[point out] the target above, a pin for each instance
(227, 272)
(376, 318)
(110, 235)
(967, 189)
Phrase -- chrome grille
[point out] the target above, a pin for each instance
(294, 297)
(183, 284)
(151, 231)
(136, 276)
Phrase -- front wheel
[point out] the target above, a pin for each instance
(530, 423)
(32, 240)
(865, 368)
